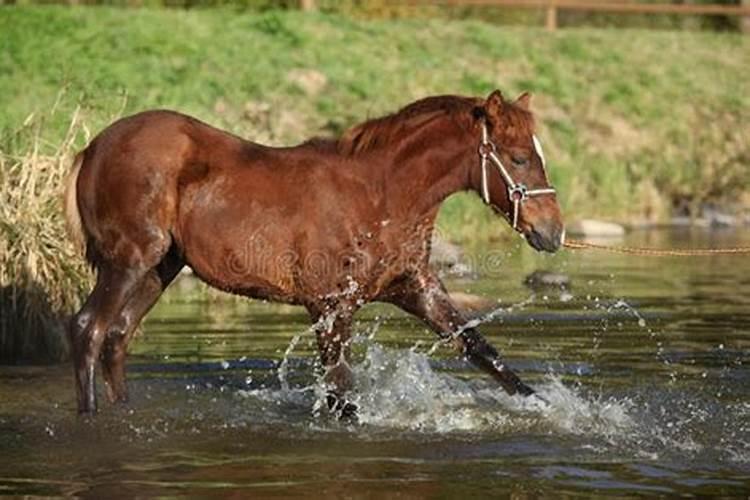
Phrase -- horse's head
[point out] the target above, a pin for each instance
(513, 179)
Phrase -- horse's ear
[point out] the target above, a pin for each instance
(494, 101)
(524, 101)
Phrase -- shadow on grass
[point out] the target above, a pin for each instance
(32, 330)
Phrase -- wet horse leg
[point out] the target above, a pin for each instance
(333, 333)
(424, 296)
(119, 336)
(90, 325)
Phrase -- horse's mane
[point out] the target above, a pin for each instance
(385, 130)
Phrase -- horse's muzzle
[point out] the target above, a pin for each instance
(546, 237)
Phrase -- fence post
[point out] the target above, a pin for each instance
(307, 5)
(552, 15)
(745, 20)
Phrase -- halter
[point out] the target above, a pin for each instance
(517, 192)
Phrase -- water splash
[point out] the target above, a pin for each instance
(401, 390)
(621, 304)
(283, 370)
(324, 323)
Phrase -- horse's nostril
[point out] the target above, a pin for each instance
(546, 238)
(557, 238)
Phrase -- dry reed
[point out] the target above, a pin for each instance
(42, 277)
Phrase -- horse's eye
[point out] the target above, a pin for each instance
(519, 161)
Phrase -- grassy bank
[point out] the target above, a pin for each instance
(633, 121)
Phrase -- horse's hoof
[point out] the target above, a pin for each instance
(343, 409)
(87, 409)
(349, 412)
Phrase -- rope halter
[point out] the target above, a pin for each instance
(517, 191)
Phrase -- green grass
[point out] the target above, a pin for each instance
(621, 112)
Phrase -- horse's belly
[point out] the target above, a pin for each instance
(246, 237)
(238, 271)
(245, 252)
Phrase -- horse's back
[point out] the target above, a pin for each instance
(160, 178)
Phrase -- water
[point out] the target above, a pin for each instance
(643, 366)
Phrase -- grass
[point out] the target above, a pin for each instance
(630, 119)
(633, 122)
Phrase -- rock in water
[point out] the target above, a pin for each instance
(542, 280)
(448, 257)
(471, 302)
(598, 228)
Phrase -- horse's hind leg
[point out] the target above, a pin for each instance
(90, 325)
(121, 333)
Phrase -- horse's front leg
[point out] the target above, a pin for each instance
(424, 296)
(333, 333)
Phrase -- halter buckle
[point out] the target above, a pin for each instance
(518, 192)
(486, 149)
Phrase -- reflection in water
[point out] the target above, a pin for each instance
(642, 365)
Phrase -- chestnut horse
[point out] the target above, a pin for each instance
(328, 224)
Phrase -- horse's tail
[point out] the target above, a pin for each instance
(73, 221)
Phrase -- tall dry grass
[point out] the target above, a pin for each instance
(42, 277)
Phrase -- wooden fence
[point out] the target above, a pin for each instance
(622, 7)
(553, 6)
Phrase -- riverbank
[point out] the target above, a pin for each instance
(646, 369)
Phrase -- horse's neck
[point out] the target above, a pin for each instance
(429, 166)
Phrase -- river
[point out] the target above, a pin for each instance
(644, 364)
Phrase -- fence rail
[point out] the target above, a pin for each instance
(553, 6)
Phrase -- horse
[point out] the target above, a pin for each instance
(329, 224)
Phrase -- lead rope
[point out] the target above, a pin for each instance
(653, 252)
